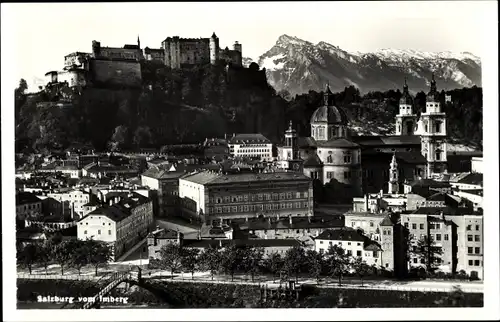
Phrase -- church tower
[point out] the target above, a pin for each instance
(433, 134)
(393, 176)
(295, 163)
(406, 120)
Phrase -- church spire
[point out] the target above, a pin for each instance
(138, 41)
(328, 95)
(393, 176)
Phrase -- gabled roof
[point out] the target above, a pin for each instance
(121, 210)
(472, 178)
(390, 140)
(250, 138)
(336, 143)
(345, 234)
(387, 221)
(313, 161)
(205, 243)
(23, 198)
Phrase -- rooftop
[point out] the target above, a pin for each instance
(472, 178)
(347, 234)
(23, 198)
(163, 234)
(250, 138)
(453, 211)
(205, 243)
(335, 221)
(121, 210)
(207, 177)
(378, 140)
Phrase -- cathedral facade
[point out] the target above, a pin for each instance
(368, 164)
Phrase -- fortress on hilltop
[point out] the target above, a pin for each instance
(121, 66)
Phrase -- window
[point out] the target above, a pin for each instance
(388, 232)
(371, 223)
(477, 227)
(438, 155)
(347, 159)
(477, 250)
(321, 242)
(359, 244)
(85, 232)
(406, 224)
(415, 260)
(421, 226)
(329, 175)
(413, 226)
(470, 250)
(477, 238)
(358, 253)
(109, 232)
(468, 227)
(445, 236)
(438, 237)
(476, 263)
(347, 175)
(99, 232)
(469, 237)
(349, 252)
(431, 226)
(471, 262)
(349, 243)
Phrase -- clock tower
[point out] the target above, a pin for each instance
(295, 163)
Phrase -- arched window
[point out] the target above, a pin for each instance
(329, 159)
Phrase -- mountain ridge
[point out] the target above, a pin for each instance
(297, 66)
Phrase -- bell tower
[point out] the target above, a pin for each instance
(406, 120)
(433, 134)
(295, 163)
(393, 176)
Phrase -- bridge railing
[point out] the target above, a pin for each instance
(115, 279)
(58, 277)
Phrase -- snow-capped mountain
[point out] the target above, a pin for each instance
(298, 66)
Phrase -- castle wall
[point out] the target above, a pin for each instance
(119, 53)
(73, 77)
(179, 51)
(123, 73)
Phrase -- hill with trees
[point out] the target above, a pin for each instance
(187, 106)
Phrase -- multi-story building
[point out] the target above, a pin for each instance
(28, 206)
(354, 244)
(155, 55)
(166, 184)
(122, 224)
(251, 146)
(470, 181)
(458, 231)
(211, 196)
(159, 238)
(215, 148)
(302, 228)
(70, 202)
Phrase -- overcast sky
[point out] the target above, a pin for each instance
(45, 33)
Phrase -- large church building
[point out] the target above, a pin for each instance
(355, 165)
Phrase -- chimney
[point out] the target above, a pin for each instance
(220, 243)
(290, 220)
(180, 238)
(246, 219)
(225, 136)
(381, 192)
(366, 203)
(234, 134)
(269, 219)
(442, 215)
(199, 234)
(111, 201)
(309, 219)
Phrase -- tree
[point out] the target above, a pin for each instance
(142, 137)
(314, 263)
(252, 260)
(28, 256)
(99, 253)
(79, 257)
(119, 138)
(428, 253)
(170, 257)
(45, 254)
(231, 259)
(294, 261)
(210, 259)
(361, 268)
(337, 261)
(190, 260)
(274, 263)
(62, 254)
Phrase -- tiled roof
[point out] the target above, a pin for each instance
(346, 234)
(162, 174)
(387, 221)
(429, 183)
(23, 198)
(250, 138)
(445, 210)
(472, 178)
(337, 143)
(437, 197)
(372, 246)
(313, 161)
(205, 243)
(163, 234)
(378, 140)
(119, 211)
(306, 142)
(336, 221)
(207, 177)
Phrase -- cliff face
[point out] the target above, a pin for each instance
(298, 66)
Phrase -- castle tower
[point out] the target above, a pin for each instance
(393, 176)
(237, 46)
(214, 49)
(433, 134)
(406, 120)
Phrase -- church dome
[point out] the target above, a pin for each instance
(329, 113)
(433, 95)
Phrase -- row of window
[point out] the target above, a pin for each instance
(261, 207)
(469, 227)
(475, 238)
(475, 262)
(340, 243)
(331, 175)
(473, 250)
(254, 151)
(259, 197)
(98, 232)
